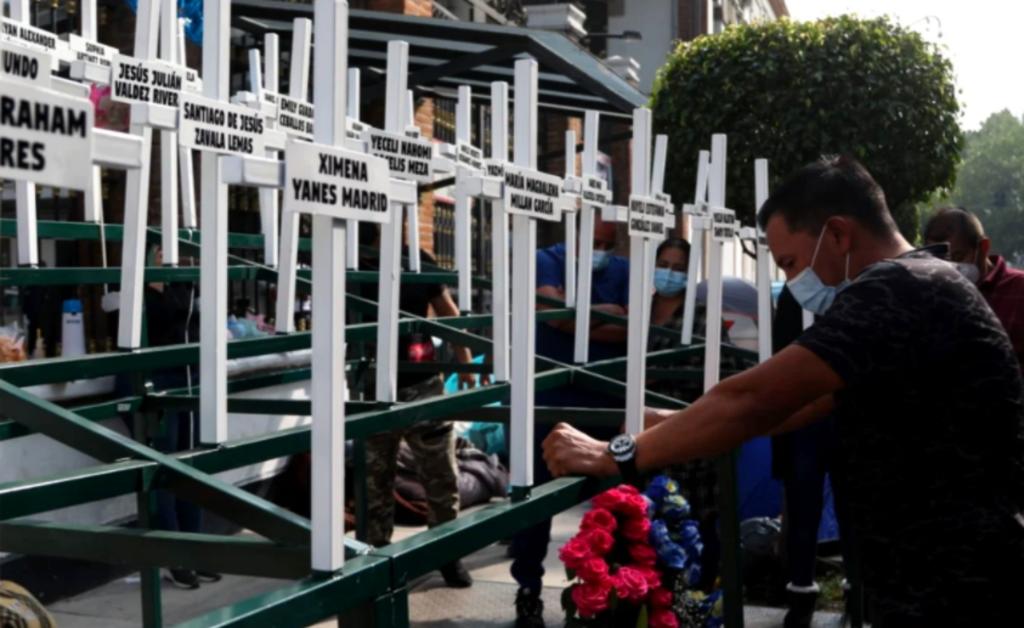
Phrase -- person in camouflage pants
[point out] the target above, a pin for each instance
(433, 447)
(432, 443)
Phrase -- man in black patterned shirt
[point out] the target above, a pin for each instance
(923, 383)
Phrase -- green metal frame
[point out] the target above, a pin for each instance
(374, 579)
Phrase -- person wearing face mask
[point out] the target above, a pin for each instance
(555, 340)
(927, 397)
(969, 250)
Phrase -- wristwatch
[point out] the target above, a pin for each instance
(622, 449)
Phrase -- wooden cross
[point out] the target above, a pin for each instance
(495, 167)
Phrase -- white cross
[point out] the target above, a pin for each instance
(50, 153)
(724, 228)
(495, 167)
(334, 184)
(596, 197)
(470, 183)
(700, 224)
(764, 280)
(18, 32)
(649, 217)
(292, 115)
(530, 195)
(152, 84)
(409, 163)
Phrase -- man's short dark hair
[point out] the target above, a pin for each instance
(952, 223)
(830, 186)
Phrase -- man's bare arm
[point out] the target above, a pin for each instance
(753, 403)
(766, 398)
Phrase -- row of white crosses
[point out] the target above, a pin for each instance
(53, 129)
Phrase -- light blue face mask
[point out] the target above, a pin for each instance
(668, 282)
(601, 259)
(809, 291)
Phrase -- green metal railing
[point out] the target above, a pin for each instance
(374, 579)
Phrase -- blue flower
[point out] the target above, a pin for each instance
(660, 488)
(675, 508)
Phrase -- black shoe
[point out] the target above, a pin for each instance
(208, 576)
(456, 576)
(801, 609)
(529, 609)
(183, 578)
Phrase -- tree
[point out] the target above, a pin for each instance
(991, 182)
(792, 92)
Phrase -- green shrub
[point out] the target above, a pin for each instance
(792, 91)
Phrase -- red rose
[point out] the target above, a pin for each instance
(651, 575)
(593, 570)
(599, 518)
(636, 529)
(601, 541)
(661, 598)
(575, 552)
(590, 598)
(643, 554)
(634, 506)
(610, 500)
(663, 618)
(630, 584)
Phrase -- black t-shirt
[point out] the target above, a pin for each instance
(931, 424)
(414, 298)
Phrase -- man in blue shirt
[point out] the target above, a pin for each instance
(555, 340)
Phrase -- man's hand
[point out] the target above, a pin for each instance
(568, 451)
(469, 380)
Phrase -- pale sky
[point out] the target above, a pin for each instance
(982, 38)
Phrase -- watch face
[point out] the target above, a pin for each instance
(621, 444)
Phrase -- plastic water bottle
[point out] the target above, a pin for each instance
(73, 329)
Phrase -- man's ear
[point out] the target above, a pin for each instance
(841, 229)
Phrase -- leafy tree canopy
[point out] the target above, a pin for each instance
(792, 91)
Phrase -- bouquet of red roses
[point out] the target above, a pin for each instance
(636, 561)
(614, 568)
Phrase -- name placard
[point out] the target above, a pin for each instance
(494, 168)
(146, 81)
(335, 181)
(25, 65)
(219, 127)
(724, 226)
(408, 158)
(647, 217)
(354, 129)
(469, 156)
(295, 117)
(45, 136)
(595, 191)
(91, 52)
(37, 39)
(532, 193)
